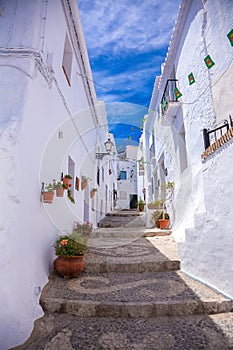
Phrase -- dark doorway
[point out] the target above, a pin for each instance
(133, 201)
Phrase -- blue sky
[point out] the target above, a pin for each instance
(127, 42)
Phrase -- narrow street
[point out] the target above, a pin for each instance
(132, 295)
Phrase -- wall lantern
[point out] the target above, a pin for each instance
(108, 146)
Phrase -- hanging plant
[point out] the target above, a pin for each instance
(48, 194)
(66, 180)
(69, 195)
(92, 192)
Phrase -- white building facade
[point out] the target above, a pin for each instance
(126, 197)
(190, 99)
(51, 124)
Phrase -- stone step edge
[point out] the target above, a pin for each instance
(83, 308)
(147, 266)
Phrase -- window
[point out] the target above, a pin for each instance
(182, 149)
(67, 60)
(123, 175)
(98, 177)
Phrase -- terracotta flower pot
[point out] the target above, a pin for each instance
(69, 266)
(141, 207)
(164, 223)
(83, 184)
(48, 197)
(92, 194)
(59, 192)
(66, 181)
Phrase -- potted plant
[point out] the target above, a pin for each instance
(84, 181)
(48, 193)
(92, 192)
(157, 216)
(156, 204)
(70, 250)
(166, 192)
(66, 180)
(59, 187)
(141, 204)
(69, 195)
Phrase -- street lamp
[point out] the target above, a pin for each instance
(108, 146)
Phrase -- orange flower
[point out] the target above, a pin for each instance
(64, 242)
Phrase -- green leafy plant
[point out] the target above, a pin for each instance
(165, 193)
(157, 204)
(70, 245)
(49, 188)
(157, 215)
(69, 195)
(68, 176)
(141, 201)
(59, 185)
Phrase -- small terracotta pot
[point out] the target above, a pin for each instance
(92, 194)
(48, 197)
(164, 223)
(141, 207)
(66, 181)
(83, 184)
(59, 192)
(69, 266)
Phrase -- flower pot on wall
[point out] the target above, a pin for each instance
(83, 184)
(48, 197)
(66, 181)
(59, 192)
(92, 194)
(69, 266)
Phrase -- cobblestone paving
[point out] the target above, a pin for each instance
(66, 332)
(119, 300)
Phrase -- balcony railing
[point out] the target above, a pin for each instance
(169, 94)
(210, 136)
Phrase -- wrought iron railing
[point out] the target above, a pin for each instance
(210, 136)
(169, 94)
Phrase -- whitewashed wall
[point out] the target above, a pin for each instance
(201, 198)
(36, 103)
(126, 187)
(207, 250)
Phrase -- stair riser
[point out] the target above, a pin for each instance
(134, 310)
(153, 266)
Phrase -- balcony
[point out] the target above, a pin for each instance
(169, 103)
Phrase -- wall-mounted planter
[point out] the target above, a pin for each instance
(92, 194)
(66, 181)
(83, 184)
(47, 197)
(60, 192)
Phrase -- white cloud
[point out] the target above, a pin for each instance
(127, 25)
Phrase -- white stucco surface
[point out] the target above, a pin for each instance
(203, 191)
(41, 128)
(207, 251)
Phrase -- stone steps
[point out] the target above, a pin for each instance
(122, 219)
(132, 254)
(132, 296)
(63, 331)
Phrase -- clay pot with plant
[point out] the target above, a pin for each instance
(141, 204)
(70, 249)
(66, 180)
(165, 192)
(48, 194)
